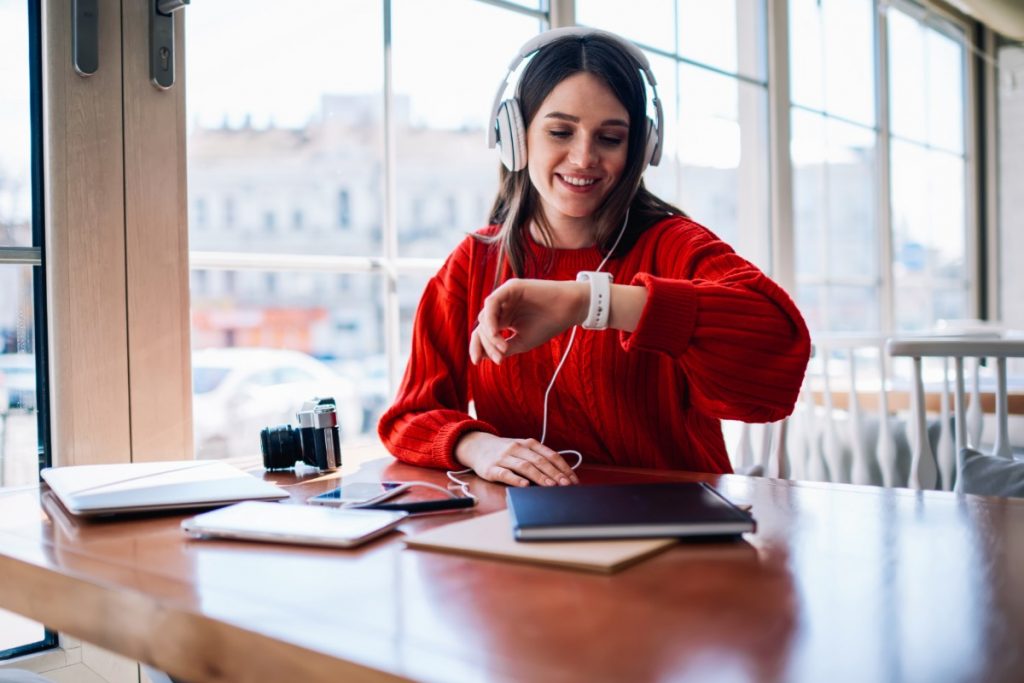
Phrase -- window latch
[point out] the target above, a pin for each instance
(85, 44)
(161, 41)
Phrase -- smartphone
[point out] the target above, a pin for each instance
(360, 493)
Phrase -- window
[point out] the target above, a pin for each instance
(314, 137)
(710, 61)
(834, 158)
(928, 170)
(24, 429)
(1010, 209)
(864, 263)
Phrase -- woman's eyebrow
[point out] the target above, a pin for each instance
(575, 119)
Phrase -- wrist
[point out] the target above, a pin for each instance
(465, 449)
(582, 307)
(598, 299)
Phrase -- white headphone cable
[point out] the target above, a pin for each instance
(572, 338)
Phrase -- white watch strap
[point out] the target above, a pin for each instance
(600, 298)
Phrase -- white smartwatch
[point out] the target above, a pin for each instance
(600, 298)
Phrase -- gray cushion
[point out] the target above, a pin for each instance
(987, 475)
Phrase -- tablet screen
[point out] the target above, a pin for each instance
(302, 524)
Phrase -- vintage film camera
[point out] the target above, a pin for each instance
(316, 442)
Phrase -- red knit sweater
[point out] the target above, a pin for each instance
(716, 340)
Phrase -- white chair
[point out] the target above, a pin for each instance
(928, 471)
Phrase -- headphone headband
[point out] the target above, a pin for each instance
(544, 39)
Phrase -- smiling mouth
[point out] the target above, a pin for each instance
(577, 181)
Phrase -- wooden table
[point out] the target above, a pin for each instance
(839, 583)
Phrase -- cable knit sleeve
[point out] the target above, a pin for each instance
(738, 336)
(429, 414)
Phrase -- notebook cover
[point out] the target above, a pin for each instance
(491, 536)
(677, 509)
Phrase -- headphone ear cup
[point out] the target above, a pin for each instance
(511, 135)
(652, 155)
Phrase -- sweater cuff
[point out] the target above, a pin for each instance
(667, 321)
(443, 454)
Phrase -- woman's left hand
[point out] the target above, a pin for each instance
(522, 314)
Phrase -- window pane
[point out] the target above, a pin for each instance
(723, 155)
(926, 83)
(263, 342)
(15, 127)
(446, 176)
(649, 22)
(832, 57)
(1011, 180)
(853, 309)
(726, 34)
(928, 215)
(834, 197)
(287, 157)
(19, 449)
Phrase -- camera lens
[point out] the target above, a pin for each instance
(281, 447)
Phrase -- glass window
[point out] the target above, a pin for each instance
(723, 159)
(834, 198)
(831, 53)
(650, 23)
(926, 83)
(727, 34)
(259, 355)
(441, 109)
(928, 172)
(928, 215)
(23, 439)
(1010, 181)
(297, 128)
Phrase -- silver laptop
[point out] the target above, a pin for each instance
(89, 490)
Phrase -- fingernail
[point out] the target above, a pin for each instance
(549, 482)
(563, 481)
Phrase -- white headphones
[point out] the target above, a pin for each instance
(508, 131)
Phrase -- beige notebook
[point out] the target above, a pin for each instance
(491, 536)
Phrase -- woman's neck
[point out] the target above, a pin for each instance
(565, 234)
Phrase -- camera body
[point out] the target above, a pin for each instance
(316, 441)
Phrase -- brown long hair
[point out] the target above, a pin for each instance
(517, 202)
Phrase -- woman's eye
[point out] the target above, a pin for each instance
(559, 133)
(611, 140)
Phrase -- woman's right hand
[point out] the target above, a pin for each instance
(515, 462)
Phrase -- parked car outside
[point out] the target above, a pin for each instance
(239, 391)
(19, 376)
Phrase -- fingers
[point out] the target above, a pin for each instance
(557, 467)
(544, 466)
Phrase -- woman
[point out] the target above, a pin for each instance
(689, 334)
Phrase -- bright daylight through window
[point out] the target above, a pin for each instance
(19, 263)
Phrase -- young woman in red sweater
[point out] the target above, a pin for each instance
(688, 334)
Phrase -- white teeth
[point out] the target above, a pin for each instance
(579, 182)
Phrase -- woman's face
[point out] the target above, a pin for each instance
(576, 148)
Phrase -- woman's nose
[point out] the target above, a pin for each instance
(583, 152)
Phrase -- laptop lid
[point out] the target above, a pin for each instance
(88, 490)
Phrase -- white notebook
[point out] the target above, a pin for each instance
(88, 490)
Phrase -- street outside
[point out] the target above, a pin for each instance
(18, 448)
